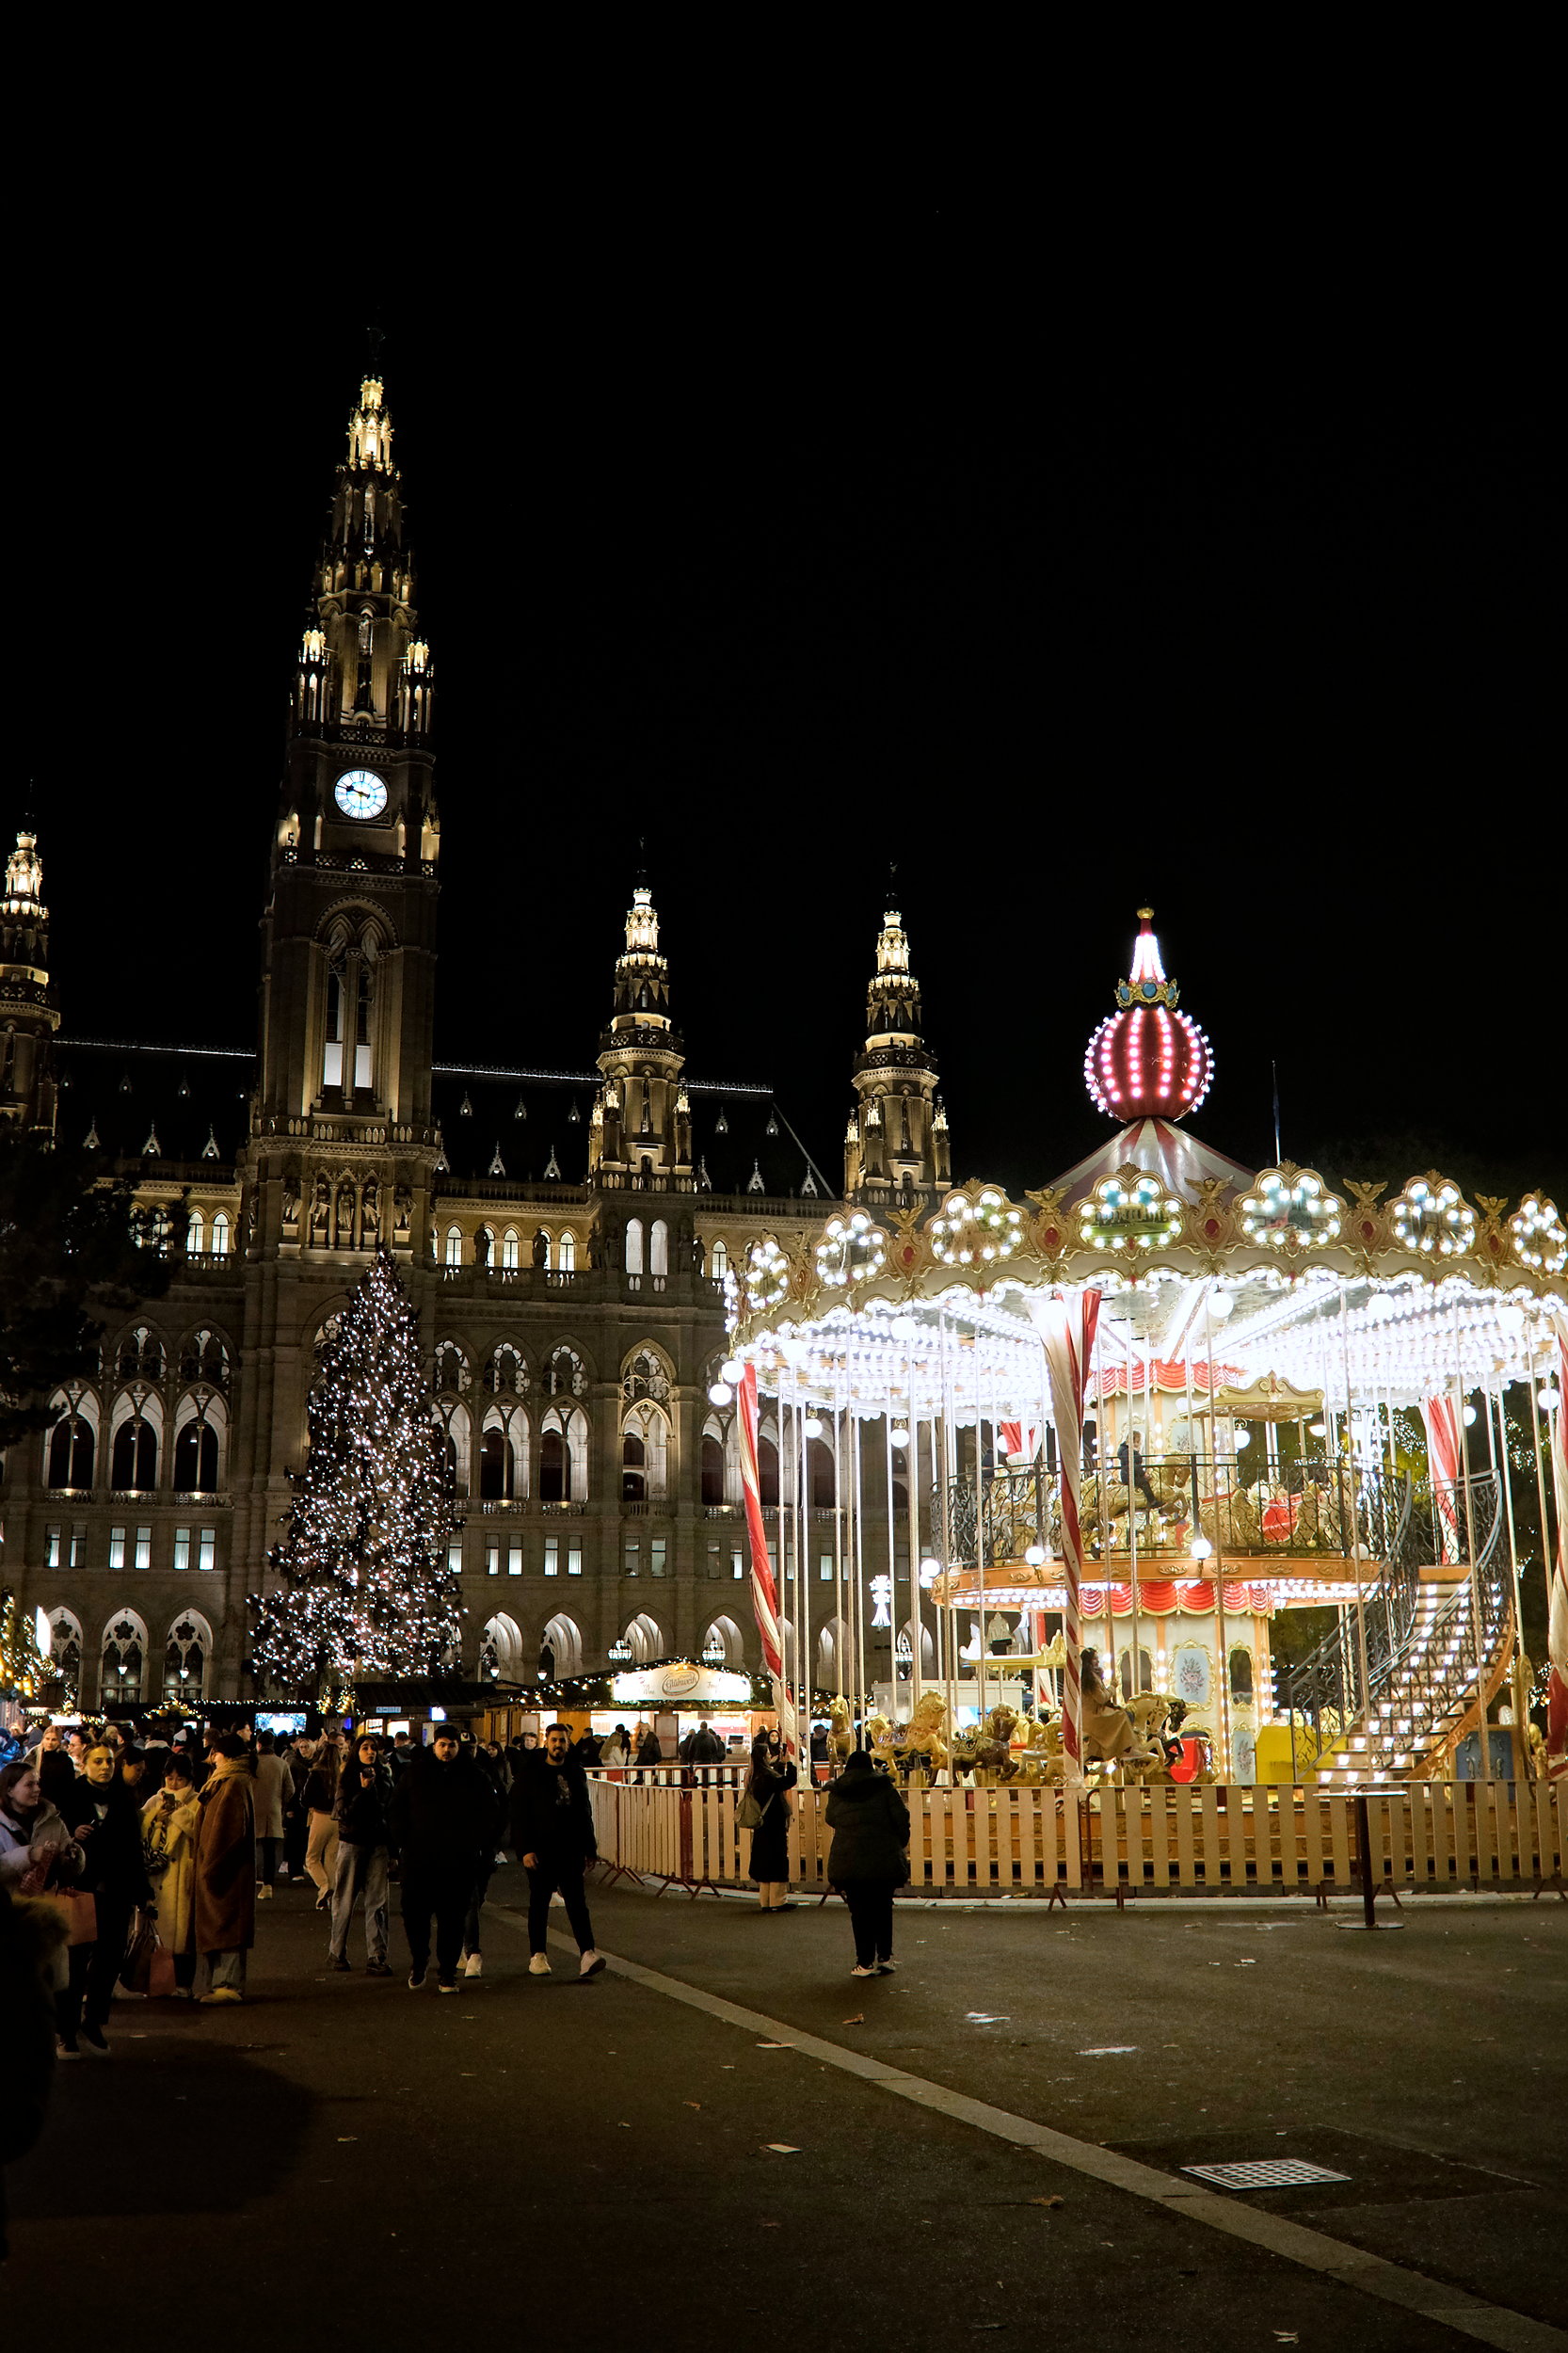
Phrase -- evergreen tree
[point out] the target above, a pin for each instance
(363, 1586)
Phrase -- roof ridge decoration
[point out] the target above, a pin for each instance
(1148, 1059)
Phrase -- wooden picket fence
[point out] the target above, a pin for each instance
(1425, 1835)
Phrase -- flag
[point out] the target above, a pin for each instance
(764, 1593)
(1069, 1343)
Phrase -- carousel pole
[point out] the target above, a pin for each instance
(1132, 1514)
(980, 1523)
(1536, 1419)
(1222, 1664)
(840, 1646)
(1500, 1471)
(1470, 1543)
(858, 1561)
(802, 1569)
(948, 1620)
(1347, 1514)
(892, 1540)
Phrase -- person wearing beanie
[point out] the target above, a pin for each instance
(868, 1857)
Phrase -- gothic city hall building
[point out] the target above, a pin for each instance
(565, 1233)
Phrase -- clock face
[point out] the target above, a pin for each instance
(359, 794)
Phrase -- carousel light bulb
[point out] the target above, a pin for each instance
(1243, 1437)
(811, 1426)
(1201, 1548)
(1469, 1413)
(720, 1394)
(899, 1437)
(1316, 1429)
(930, 1572)
(1034, 1554)
(731, 1369)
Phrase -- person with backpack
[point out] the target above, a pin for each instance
(764, 1810)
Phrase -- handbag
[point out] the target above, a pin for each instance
(79, 1910)
(160, 1974)
(136, 1967)
(748, 1814)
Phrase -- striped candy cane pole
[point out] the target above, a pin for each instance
(1442, 1454)
(1556, 1620)
(764, 1593)
(1069, 1343)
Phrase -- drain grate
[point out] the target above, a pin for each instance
(1267, 2173)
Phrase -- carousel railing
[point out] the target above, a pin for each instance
(1399, 1674)
(1314, 1508)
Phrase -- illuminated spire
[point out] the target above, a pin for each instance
(640, 1131)
(28, 1013)
(897, 1141)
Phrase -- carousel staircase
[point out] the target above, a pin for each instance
(1405, 1683)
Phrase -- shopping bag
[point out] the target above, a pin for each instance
(137, 1966)
(160, 1972)
(79, 1912)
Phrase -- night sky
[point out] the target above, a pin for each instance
(803, 552)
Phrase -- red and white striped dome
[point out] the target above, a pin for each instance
(1147, 1060)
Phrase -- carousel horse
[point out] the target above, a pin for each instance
(927, 1747)
(1160, 1496)
(841, 1730)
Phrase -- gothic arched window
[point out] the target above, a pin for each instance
(658, 1248)
(454, 1245)
(712, 1471)
(196, 1459)
(509, 1250)
(220, 1234)
(134, 1464)
(71, 1448)
(634, 1245)
(555, 1468)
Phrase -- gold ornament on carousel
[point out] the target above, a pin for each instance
(1131, 1212)
(1291, 1208)
(852, 1250)
(977, 1231)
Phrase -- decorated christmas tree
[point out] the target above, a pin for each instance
(362, 1586)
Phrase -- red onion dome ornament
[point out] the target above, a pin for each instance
(1147, 1060)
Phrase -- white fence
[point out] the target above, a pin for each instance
(1027, 1841)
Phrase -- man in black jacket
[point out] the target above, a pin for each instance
(444, 1821)
(552, 1829)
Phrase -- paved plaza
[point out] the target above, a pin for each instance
(629, 2158)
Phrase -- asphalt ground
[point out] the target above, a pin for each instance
(609, 2158)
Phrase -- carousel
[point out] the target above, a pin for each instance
(1088, 1446)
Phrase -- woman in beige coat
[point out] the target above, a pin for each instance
(169, 1841)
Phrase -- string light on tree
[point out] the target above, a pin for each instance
(364, 1585)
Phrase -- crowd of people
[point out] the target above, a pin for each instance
(152, 1856)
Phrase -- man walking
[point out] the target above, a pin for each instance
(363, 1816)
(444, 1822)
(552, 1829)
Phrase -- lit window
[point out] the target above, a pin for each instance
(565, 1252)
(633, 1554)
(454, 1556)
(144, 1547)
(514, 1560)
(79, 1544)
(220, 1234)
(182, 1547)
(454, 1245)
(193, 1233)
(656, 1556)
(51, 1547)
(574, 1558)
(509, 1249)
(714, 1561)
(718, 1261)
(206, 1556)
(658, 1248)
(825, 1569)
(331, 1067)
(552, 1556)
(634, 1245)
(492, 1556)
(737, 1566)
(116, 1547)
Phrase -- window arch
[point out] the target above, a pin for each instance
(453, 1254)
(562, 1640)
(644, 1455)
(199, 1429)
(452, 1370)
(136, 1425)
(506, 1372)
(454, 1421)
(501, 1651)
(565, 1251)
(220, 1234)
(767, 1465)
(195, 1234)
(565, 1374)
(204, 1357)
(123, 1661)
(725, 1636)
(1241, 1676)
(564, 1456)
(187, 1659)
(509, 1251)
(65, 1651)
(504, 1456)
(71, 1446)
(645, 1639)
(820, 1484)
(141, 1355)
(659, 1247)
(634, 1245)
(712, 1468)
(644, 1373)
(718, 1261)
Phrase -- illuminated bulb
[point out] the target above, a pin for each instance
(900, 1438)
(720, 1394)
(930, 1572)
(1469, 1413)
(731, 1369)
(811, 1426)
(1034, 1554)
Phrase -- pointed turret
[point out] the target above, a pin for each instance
(898, 1134)
(29, 1015)
(640, 1130)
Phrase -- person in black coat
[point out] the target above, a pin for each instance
(868, 1857)
(104, 1818)
(552, 1829)
(769, 1781)
(443, 1820)
(56, 1772)
(362, 1810)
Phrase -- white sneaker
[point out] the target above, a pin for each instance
(475, 1965)
(538, 1964)
(591, 1964)
(858, 1972)
(263, 1893)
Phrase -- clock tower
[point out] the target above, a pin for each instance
(342, 1146)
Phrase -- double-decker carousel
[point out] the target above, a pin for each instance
(1292, 1397)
